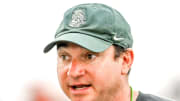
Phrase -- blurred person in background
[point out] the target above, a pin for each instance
(94, 47)
(41, 91)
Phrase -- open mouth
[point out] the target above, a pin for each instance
(78, 87)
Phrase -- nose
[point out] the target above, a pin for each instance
(76, 70)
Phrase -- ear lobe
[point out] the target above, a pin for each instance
(128, 57)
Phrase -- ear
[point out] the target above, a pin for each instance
(127, 60)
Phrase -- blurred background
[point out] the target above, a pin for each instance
(26, 26)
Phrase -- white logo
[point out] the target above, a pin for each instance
(116, 38)
(78, 18)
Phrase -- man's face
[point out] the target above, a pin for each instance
(88, 76)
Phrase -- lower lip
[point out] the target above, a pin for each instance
(80, 91)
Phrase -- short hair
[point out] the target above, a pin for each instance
(63, 44)
(118, 51)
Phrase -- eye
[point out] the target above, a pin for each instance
(90, 56)
(64, 57)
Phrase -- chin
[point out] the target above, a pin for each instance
(82, 98)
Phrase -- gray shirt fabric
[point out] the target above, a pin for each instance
(150, 97)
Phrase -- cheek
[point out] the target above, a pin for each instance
(61, 70)
(107, 73)
(62, 75)
(100, 74)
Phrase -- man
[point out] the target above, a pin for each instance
(94, 47)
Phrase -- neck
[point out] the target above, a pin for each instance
(125, 94)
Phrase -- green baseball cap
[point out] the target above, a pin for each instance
(93, 26)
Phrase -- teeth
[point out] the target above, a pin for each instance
(81, 87)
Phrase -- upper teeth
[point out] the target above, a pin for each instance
(81, 87)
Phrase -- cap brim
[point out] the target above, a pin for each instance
(91, 43)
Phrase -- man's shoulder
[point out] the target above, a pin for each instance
(150, 97)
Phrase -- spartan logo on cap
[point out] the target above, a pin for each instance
(78, 18)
